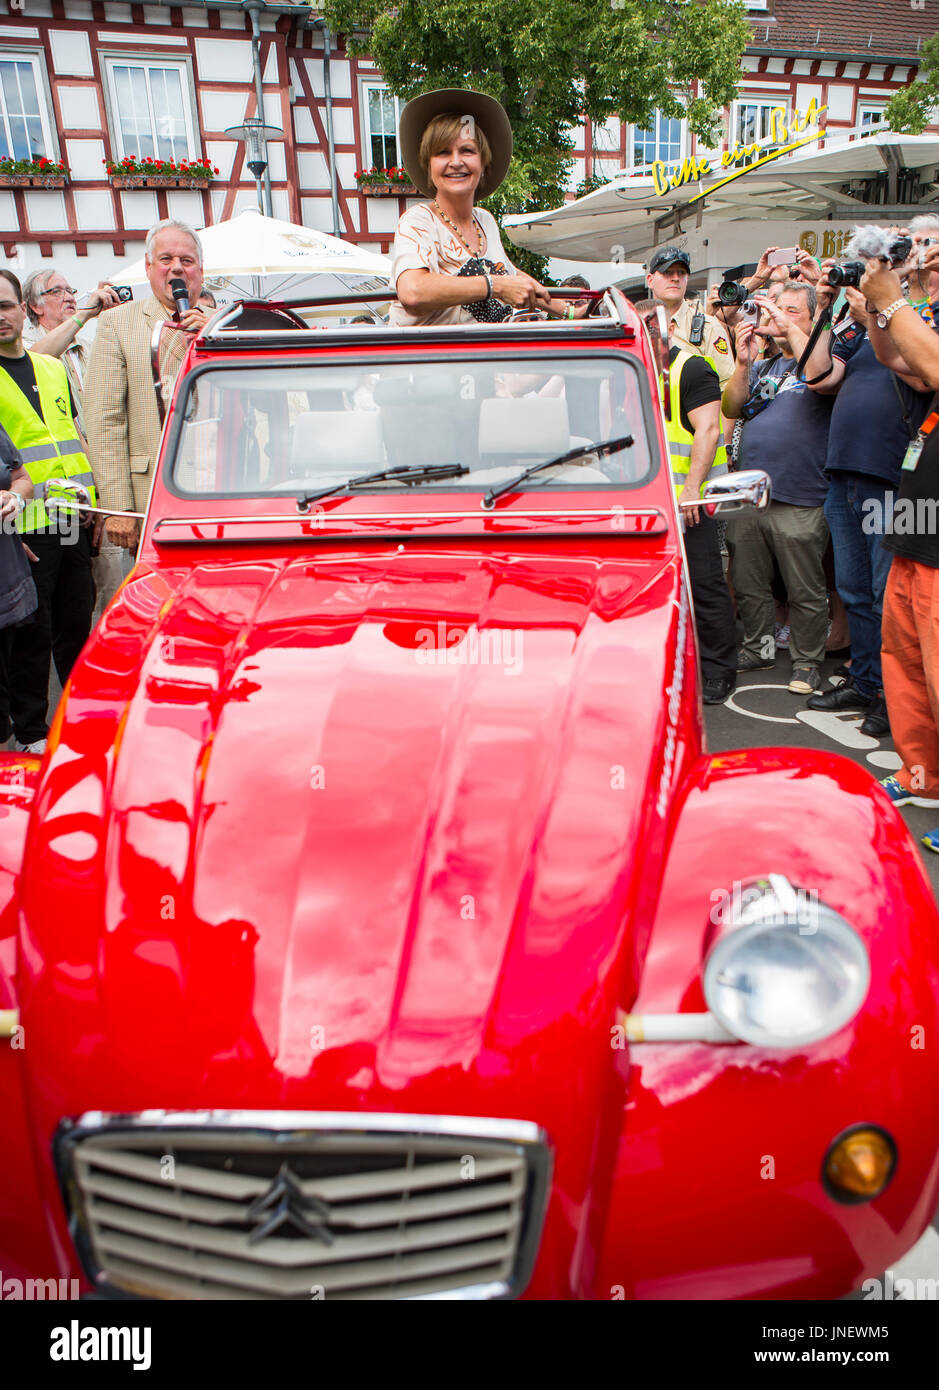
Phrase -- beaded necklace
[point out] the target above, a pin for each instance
(452, 225)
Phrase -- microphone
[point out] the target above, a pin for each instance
(181, 294)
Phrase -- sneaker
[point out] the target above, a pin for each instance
(805, 680)
(931, 840)
(746, 662)
(782, 636)
(846, 696)
(717, 689)
(39, 746)
(901, 797)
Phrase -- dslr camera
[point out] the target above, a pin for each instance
(730, 292)
(869, 244)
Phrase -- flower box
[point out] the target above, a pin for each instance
(385, 183)
(33, 180)
(156, 181)
(159, 173)
(389, 190)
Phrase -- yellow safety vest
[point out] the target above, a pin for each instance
(48, 444)
(680, 440)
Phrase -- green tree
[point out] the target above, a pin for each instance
(910, 108)
(555, 64)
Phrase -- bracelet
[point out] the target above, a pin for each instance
(488, 280)
(80, 322)
(570, 311)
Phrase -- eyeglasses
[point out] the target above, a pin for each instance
(59, 289)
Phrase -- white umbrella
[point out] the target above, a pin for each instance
(253, 255)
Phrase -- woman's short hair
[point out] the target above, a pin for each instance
(441, 132)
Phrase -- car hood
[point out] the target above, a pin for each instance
(335, 829)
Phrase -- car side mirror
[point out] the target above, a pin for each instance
(732, 492)
(661, 345)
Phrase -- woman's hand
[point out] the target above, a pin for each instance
(521, 291)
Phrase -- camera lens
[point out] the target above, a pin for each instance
(848, 274)
(730, 292)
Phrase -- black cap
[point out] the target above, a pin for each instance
(668, 255)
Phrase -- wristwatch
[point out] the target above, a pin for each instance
(884, 317)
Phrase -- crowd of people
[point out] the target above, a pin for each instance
(829, 390)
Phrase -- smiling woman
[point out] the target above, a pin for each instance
(448, 262)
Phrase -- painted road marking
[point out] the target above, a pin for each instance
(846, 731)
(730, 703)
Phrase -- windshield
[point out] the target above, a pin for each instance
(298, 429)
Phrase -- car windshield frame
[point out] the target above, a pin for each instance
(463, 488)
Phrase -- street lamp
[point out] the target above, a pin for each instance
(255, 133)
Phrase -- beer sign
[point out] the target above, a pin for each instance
(780, 141)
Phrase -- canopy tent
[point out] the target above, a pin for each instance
(627, 218)
(253, 256)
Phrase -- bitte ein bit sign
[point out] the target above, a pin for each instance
(782, 128)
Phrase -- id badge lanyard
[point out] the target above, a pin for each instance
(912, 455)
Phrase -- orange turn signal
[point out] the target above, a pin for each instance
(859, 1164)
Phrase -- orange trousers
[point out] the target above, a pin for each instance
(910, 659)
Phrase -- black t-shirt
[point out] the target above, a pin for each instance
(700, 385)
(24, 374)
(911, 518)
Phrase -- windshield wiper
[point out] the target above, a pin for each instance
(407, 473)
(611, 446)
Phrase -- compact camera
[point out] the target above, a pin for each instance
(123, 292)
(848, 274)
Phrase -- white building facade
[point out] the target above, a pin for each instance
(89, 81)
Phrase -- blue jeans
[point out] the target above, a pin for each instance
(861, 567)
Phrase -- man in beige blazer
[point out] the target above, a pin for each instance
(121, 419)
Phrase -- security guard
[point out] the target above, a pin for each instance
(37, 410)
(696, 452)
(694, 330)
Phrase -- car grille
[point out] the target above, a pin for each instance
(229, 1205)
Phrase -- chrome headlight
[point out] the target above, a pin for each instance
(787, 973)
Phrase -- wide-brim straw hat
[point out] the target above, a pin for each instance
(456, 101)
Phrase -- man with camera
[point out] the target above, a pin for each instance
(911, 603)
(786, 434)
(56, 321)
(875, 413)
(693, 329)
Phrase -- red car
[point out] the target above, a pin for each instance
(377, 925)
